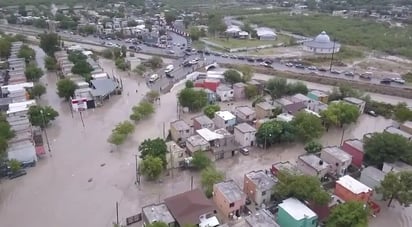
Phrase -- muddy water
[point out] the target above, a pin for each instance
(82, 180)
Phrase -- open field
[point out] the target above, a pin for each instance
(351, 31)
(239, 43)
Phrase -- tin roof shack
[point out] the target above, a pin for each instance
(176, 155)
(224, 93)
(245, 114)
(284, 166)
(103, 89)
(157, 213)
(359, 103)
(372, 177)
(229, 198)
(23, 151)
(245, 134)
(350, 189)
(396, 167)
(312, 165)
(224, 119)
(196, 143)
(354, 147)
(188, 207)
(339, 159)
(203, 121)
(258, 186)
(264, 110)
(180, 131)
(262, 218)
(406, 127)
(396, 131)
(239, 92)
(292, 212)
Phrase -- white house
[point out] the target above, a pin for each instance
(180, 130)
(321, 45)
(225, 93)
(245, 134)
(339, 159)
(196, 143)
(266, 33)
(224, 119)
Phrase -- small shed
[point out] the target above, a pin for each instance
(372, 177)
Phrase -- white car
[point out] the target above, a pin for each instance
(153, 78)
(398, 80)
(169, 68)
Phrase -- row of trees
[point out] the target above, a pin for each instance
(6, 134)
(81, 66)
(193, 99)
(153, 155)
(42, 115)
(121, 132)
(142, 111)
(278, 87)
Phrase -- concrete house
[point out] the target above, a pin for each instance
(406, 127)
(354, 147)
(225, 146)
(175, 156)
(157, 213)
(396, 167)
(239, 91)
(224, 119)
(245, 134)
(312, 165)
(372, 177)
(350, 189)
(196, 143)
(229, 198)
(180, 130)
(262, 218)
(396, 131)
(224, 93)
(359, 103)
(264, 110)
(293, 213)
(245, 114)
(319, 96)
(258, 186)
(203, 121)
(284, 166)
(338, 159)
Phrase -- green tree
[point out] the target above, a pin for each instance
(308, 126)
(247, 72)
(116, 138)
(152, 96)
(77, 56)
(170, 17)
(200, 160)
(402, 113)
(194, 33)
(209, 177)
(277, 87)
(158, 224)
(42, 116)
(140, 69)
(15, 165)
(151, 167)
(121, 64)
(297, 87)
(386, 147)
(107, 53)
(313, 147)
(340, 113)
(143, 110)
(154, 147)
(33, 73)
(302, 187)
(66, 88)
(397, 186)
(251, 91)
(123, 49)
(210, 110)
(155, 62)
(49, 42)
(5, 45)
(82, 68)
(232, 76)
(27, 53)
(349, 214)
(189, 84)
(192, 99)
(215, 24)
(121, 132)
(50, 63)
(274, 131)
(37, 91)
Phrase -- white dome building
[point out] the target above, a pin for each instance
(321, 45)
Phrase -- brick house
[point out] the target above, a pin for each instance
(258, 186)
(350, 189)
(229, 198)
(354, 147)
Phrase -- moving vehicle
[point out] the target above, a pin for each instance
(153, 78)
(169, 68)
(244, 151)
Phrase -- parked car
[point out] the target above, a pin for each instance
(312, 67)
(365, 76)
(372, 113)
(17, 174)
(259, 59)
(398, 80)
(265, 64)
(349, 74)
(241, 58)
(322, 70)
(153, 78)
(289, 64)
(244, 151)
(186, 64)
(386, 81)
(170, 52)
(335, 72)
(299, 66)
(251, 60)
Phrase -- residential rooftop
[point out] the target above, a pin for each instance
(246, 110)
(314, 161)
(180, 125)
(353, 185)
(225, 115)
(318, 93)
(354, 100)
(203, 120)
(355, 143)
(394, 130)
(337, 153)
(197, 140)
(265, 106)
(374, 173)
(262, 181)
(286, 166)
(158, 213)
(230, 190)
(245, 127)
(262, 218)
(297, 209)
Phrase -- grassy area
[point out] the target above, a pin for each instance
(408, 77)
(345, 54)
(354, 31)
(239, 43)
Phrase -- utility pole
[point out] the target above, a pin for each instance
(81, 117)
(117, 213)
(163, 130)
(45, 131)
(137, 171)
(333, 52)
(191, 182)
(343, 134)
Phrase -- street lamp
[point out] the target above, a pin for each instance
(45, 131)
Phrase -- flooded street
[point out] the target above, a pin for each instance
(57, 192)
